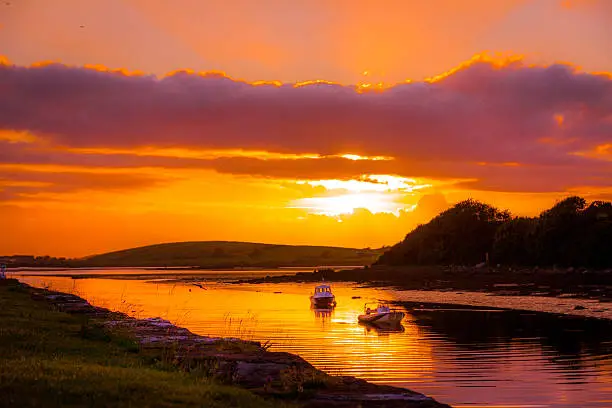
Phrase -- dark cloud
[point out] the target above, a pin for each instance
(537, 117)
(477, 176)
(479, 113)
(24, 185)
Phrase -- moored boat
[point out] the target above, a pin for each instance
(323, 297)
(381, 314)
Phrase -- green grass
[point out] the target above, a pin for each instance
(210, 254)
(53, 359)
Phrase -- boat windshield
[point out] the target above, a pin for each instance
(377, 307)
(321, 289)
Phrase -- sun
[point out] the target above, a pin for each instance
(335, 205)
(375, 193)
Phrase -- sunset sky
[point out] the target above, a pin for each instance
(326, 122)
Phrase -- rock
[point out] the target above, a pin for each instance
(254, 375)
(157, 321)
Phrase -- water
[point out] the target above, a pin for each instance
(462, 356)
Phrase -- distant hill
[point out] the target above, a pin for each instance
(223, 254)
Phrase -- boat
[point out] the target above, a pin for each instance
(379, 313)
(323, 298)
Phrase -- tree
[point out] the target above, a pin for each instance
(463, 234)
(513, 242)
(568, 234)
(556, 233)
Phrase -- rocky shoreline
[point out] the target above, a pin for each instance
(245, 364)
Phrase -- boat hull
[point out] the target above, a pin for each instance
(323, 302)
(390, 318)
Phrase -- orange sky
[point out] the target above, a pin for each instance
(92, 161)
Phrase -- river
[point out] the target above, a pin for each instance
(463, 356)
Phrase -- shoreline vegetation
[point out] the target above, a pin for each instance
(569, 235)
(59, 350)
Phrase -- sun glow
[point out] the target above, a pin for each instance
(371, 183)
(192, 153)
(376, 193)
(12, 136)
(374, 202)
(356, 157)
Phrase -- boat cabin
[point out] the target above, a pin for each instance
(322, 289)
(376, 307)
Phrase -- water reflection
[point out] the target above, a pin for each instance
(382, 330)
(577, 345)
(323, 316)
(462, 356)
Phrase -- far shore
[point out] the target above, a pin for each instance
(534, 281)
(23, 270)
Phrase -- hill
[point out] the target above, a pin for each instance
(224, 254)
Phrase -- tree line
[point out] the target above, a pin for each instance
(570, 234)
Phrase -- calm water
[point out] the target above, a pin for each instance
(461, 356)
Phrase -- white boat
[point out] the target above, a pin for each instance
(323, 297)
(380, 314)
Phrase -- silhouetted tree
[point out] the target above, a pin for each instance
(568, 234)
(555, 234)
(514, 241)
(463, 234)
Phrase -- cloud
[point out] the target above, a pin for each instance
(23, 185)
(507, 126)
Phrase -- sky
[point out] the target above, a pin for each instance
(336, 122)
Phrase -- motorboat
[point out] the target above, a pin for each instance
(323, 298)
(379, 313)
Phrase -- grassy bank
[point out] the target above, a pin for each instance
(53, 359)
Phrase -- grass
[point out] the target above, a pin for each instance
(53, 359)
(219, 254)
